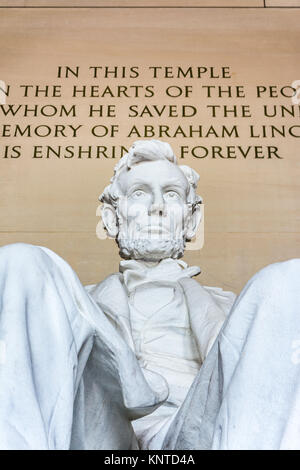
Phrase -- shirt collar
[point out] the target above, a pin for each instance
(136, 272)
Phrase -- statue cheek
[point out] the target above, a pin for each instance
(136, 210)
(177, 212)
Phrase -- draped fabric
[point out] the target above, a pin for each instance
(70, 379)
(247, 393)
(67, 377)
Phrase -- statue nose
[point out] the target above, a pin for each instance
(158, 209)
(158, 204)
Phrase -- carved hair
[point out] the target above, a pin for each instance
(148, 151)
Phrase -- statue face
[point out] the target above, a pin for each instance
(152, 212)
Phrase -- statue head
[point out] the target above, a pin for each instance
(150, 206)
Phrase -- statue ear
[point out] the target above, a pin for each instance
(110, 221)
(193, 222)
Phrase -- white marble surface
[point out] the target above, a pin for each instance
(167, 335)
(147, 358)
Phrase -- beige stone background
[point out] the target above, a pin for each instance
(252, 206)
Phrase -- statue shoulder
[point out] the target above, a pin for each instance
(111, 281)
(224, 299)
(110, 295)
(208, 295)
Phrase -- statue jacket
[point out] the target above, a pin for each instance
(206, 309)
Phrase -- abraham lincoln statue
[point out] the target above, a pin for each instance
(148, 358)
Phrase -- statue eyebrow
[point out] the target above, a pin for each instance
(140, 182)
(174, 184)
(137, 184)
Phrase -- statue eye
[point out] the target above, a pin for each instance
(138, 194)
(172, 195)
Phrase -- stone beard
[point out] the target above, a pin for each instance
(150, 250)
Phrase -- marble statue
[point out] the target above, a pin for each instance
(148, 358)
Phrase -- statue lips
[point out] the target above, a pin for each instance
(155, 229)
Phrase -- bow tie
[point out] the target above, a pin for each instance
(136, 273)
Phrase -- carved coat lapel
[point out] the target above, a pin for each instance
(207, 308)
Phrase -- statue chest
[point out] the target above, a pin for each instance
(160, 322)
